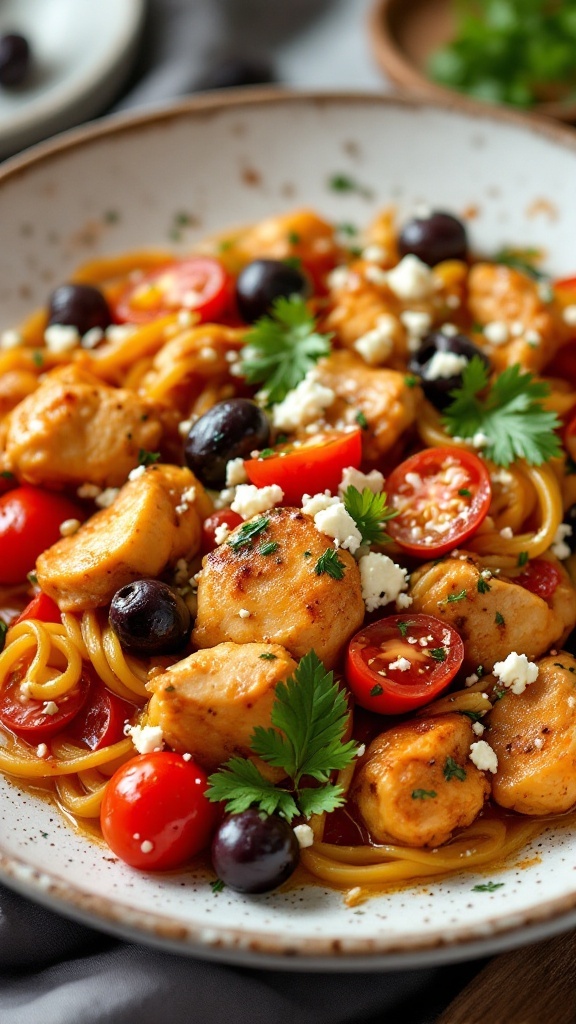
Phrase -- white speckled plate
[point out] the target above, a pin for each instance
(125, 184)
(82, 51)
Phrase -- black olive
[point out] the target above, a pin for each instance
(80, 306)
(263, 281)
(229, 430)
(14, 59)
(229, 72)
(434, 238)
(252, 852)
(149, 617)
(570, 520)
(438, 390)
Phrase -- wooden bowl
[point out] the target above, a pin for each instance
(404, 33)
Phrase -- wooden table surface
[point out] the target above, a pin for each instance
(532, 985)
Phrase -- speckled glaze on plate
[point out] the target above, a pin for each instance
(171, 177)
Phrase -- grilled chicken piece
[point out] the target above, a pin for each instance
(155, 520)
(417, 784)
(504, 295)
(299, 233)
(534, 736)
(247, 596)
(209, 704)
(74, 429)
(505, 618)
(387, 402)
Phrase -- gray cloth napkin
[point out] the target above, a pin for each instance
(53, 971)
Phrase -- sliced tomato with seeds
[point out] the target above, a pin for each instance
(402, 662)
(540, 577)
(441, 496)
(307, 468)
(200, 284)
(100, 723)
(29, 717)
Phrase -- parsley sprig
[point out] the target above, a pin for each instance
(369, 511)
(281, 348)
(309, 719)
(510, 414)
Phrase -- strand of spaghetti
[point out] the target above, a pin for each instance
(533, 544)
(133, 676)
(73, 630)
(136, 373)
(562, 397)
(513, 498)
(23, 763)
(143, 341)
(81, 799)
(430, 429)
(92, 636)
(109, 267)
(43, 681)
(173, 376)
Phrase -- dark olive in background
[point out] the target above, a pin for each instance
(434, 238)
(229, 430)
(438, 391)
(263, 281)
(149, 618)
(570, 520)
(229, 72)
(15, 59)
(253, 852)
(80, 306)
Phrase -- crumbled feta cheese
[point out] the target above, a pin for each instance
(497, 333)
(480, 440)
(337, 523)
(181, 572)
(482, 755)
(136, 473)
(402, 664)
(50, 708)
(186, 756)
(221, 533)
(146, 738)
(317, 502)
(376, 346)
(444, 365)
(403, 601)
(375, 275)
(116, 333)
(184, 427)
(303, 405)
(375, 254)
(244, 613)
(235, 473)
(88, 491)
(68, 527)
(416, 323)
(250, 500)
(225, 497)
(450, 330)
(61, 338)
(516, 328)
(41, 750)
(92, 338)
(569, 316)
(337, 279)
(558, 546)
(208, 354)
(10, 339)
(411, 279)
(372, 481)
(470, 680)
(539, 742)
(382, 580)
(146, 846)
(106, 497)
(533, 338)
(478, 728)
(516, 672)
(187, 498)
(361, 750)
(304, 835)
(507, 533)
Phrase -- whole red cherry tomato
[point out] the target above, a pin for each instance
(30, 520)
(313, 466)
(154, 813)
(200, 284)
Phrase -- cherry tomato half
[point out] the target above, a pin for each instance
(28, 718)
(154, 813)
(100, 723)
(30, 521)
(540, 577)
(200, 284)
(314, 466)
(441, 496)
(41, 607)
(223, 517)
(402, 662)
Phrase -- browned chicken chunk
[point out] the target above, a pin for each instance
(534, 736)
(74, 429)
(492, 622)
(417, 784)
(155, 520)
(209, 704)
(247, 593)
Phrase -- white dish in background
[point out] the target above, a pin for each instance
(125, 184)
(82, 53)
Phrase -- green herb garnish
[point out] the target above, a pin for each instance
(438, 653)
(147, 458)
(269, 548)
(452, 770)
(369, 511)
(3, 631)
(248, 532)
(361, 420)
(217, 885)
(268, 656)
(423, 794)
(522, 558)
(310, 718)
(376, 690)
(487, 887)
(499, 619)
(483, 586)
(460, 596)
(330, 563)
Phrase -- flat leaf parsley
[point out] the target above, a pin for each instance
(511, 415)
(281, 348)
(369, 512)
(310, 719)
